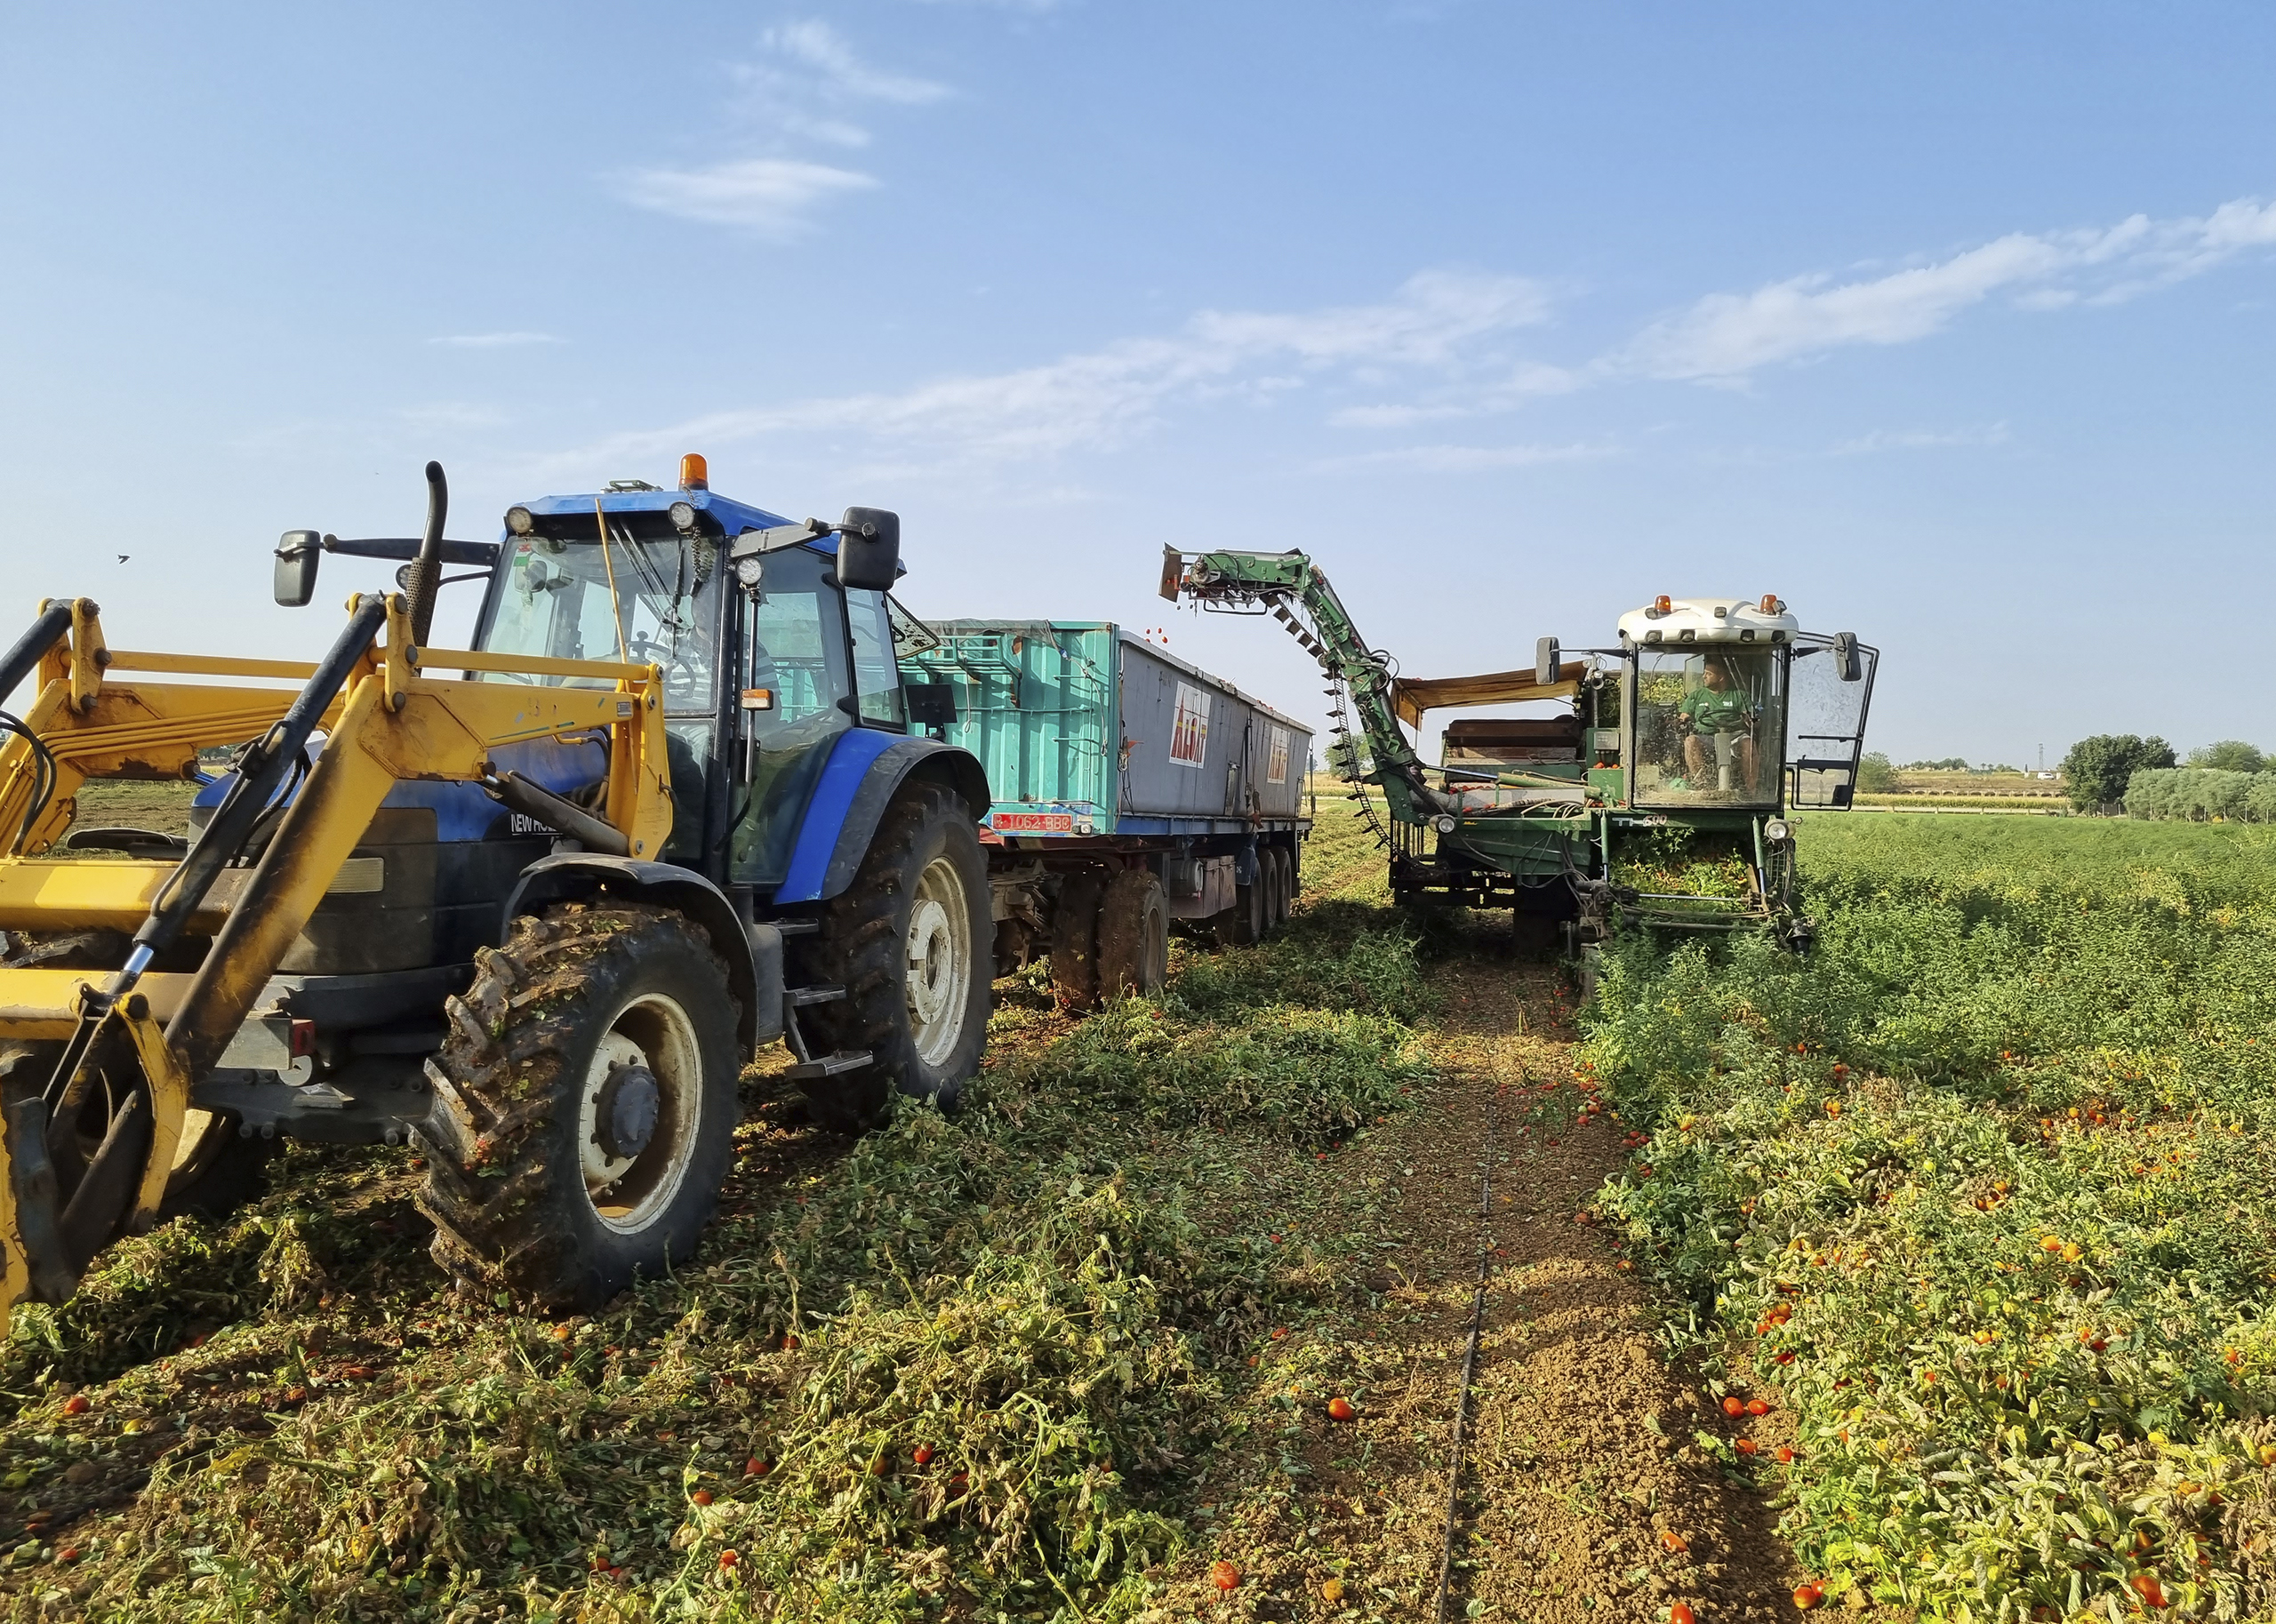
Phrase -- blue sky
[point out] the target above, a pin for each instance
(1952, 324)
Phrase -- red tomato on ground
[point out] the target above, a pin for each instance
(1342, 1410)
(1734, 1405)
(1224, 1575)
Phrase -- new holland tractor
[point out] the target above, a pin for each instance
(531, 904)
(1659, 793)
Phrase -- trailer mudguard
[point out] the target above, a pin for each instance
(753, 953)
(866, 769)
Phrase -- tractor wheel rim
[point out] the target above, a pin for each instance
(626, 1193)
(940, 961)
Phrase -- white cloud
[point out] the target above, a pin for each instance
(770, 196)
(1102, 396)
(1725, 336)
(821, 49)
(1920, 439)
(1472, 459)
(451, 416)
(494, 341)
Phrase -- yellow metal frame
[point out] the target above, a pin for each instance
(391, 722)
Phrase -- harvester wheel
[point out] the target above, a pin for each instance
(1075, 942)
(1133, 936)
(585, 1104)
(906, 940)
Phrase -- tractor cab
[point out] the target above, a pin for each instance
(770, 638)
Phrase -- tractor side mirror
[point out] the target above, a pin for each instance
(869, 549)
(1848, 665)
(298, 554)
(1546, 658)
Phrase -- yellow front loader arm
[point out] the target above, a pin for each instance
(143, 1037)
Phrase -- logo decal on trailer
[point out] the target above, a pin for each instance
(1190, 732)
(1275, 759)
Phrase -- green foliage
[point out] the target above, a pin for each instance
(2229, 755)
(1874, 772)
(1982, 1189)
(2202, 795)
(2097, 770)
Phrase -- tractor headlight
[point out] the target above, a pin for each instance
(747, 570)
(682, 515)
(1777, 831)
(520, 521)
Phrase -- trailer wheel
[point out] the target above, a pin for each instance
(905, 940)
(1275, 858)
(1075, 942)
(1242, 926)
(585, 1105)
(1133, 936)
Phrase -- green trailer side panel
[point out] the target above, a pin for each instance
(1036, 703)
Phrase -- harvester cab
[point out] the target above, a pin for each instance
(531, 904)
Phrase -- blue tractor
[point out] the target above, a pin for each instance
(500, 970)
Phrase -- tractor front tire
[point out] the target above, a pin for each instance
(906, 940)
(585, 1105)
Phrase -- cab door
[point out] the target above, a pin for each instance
(1830, 691)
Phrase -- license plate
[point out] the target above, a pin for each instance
(1033, 823)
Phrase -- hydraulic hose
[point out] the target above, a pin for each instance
(43, 635)
(425, 579)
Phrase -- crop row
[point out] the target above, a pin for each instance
(1981, 1191)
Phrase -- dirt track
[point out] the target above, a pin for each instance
(1582, 1498)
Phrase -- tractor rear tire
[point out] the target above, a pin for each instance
(1075, 942)
(585, 1105)
(1133, 936)
(908, 941)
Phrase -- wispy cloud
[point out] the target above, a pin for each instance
(769, 196)
(1103, 396)
(451, 416)
(1921, 439)
(824, 55)
(1726, 336)
(494, 341)
(804, 90)
(1472, 459)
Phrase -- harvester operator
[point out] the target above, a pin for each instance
(1718, 715)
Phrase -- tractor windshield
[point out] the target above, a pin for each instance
(1709, 726)
(552, 599)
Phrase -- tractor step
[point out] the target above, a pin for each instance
(796, 927)
(830, 1066)
(801, 997)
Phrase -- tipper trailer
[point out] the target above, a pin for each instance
(1130, 790)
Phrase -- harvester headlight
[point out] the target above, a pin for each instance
(520, 521)
(1777, 831)
(682, 515)
(1444, 823)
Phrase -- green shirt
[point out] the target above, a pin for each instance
(1728, 711)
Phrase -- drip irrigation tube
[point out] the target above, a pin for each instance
(1470, 1354)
